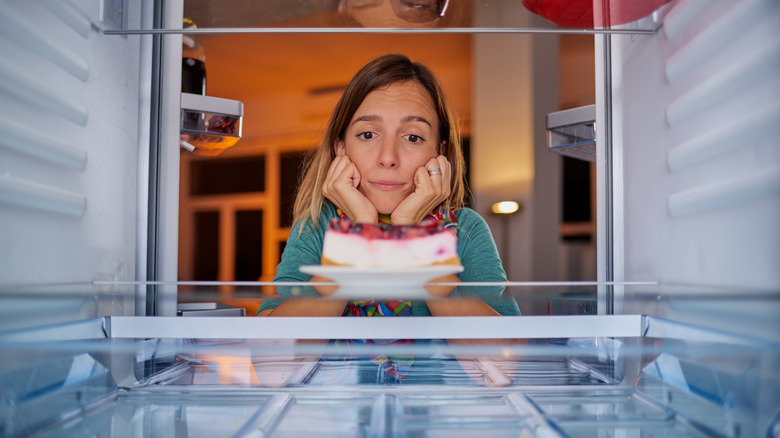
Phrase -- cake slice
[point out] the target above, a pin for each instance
(388, 246)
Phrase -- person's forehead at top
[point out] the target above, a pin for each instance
(399, 93)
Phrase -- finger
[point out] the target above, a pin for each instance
(422, 179)
(446, 180)
(443, 184)
(444, 164)
(340, 165)
(340, 151)
(327, 185)
(332, 168)
(354, 174)
(427, 189)
(335, 177)
(439, 174)
(345, 174)
(435, 173)
(432, 164)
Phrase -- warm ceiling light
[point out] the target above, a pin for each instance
(505, 207)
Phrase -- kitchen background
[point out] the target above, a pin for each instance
(235, 208)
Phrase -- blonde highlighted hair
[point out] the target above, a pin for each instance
(381, 72)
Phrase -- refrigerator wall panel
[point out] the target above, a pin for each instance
(699, 139)
(71, 145)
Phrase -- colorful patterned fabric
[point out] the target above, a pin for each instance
(444, 217)
(396, 367)
(378, 308)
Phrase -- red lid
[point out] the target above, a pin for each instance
(580, 13)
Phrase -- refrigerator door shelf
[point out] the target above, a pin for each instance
(572, 132)
(209, 125)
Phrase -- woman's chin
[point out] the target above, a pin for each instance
(386, 207)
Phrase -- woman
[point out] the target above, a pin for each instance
(391, 153)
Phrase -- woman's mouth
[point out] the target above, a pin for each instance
(385, 185)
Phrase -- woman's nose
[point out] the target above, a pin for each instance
(388, 153)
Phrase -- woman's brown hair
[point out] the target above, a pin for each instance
(381, 72)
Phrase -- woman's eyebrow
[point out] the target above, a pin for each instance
(409, 119)
(367, 118)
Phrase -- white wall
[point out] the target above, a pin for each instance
(515, 87)
(502, 153)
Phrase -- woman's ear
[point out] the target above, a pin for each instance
(339, 148)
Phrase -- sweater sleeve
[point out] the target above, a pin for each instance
(481, 262)
(302, 248)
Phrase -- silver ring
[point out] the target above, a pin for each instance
(434, 171)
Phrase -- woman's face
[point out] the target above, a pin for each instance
(394, 132)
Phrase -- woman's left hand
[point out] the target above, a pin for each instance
(431, 189)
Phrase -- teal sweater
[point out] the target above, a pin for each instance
(476, 249)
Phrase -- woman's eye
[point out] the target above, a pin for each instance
(366, 135)
(414, 138)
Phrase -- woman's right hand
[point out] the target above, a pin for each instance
(340, 187)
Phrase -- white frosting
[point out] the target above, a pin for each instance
(356, 250)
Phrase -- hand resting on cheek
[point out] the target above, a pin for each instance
(341, 185)
(432, 187)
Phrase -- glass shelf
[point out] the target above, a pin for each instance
(645, 376)
(363, 16)
(648, 386)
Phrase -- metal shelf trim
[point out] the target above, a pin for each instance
(521, 327)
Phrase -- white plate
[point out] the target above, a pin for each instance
(381, 283)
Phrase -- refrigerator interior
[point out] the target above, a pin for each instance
(557, 375)
(678, 337)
